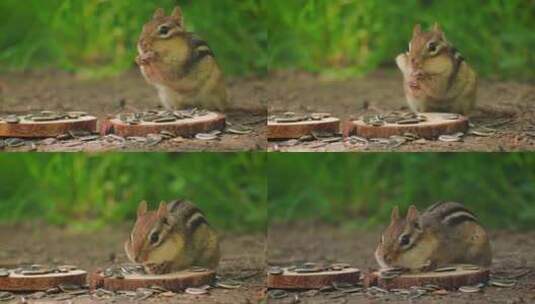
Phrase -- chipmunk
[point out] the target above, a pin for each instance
(436, 76)
(172, 238)
(445, 233)
(180, 65)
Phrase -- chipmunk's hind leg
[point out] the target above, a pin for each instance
(170, 100)
(207, 246)
(479, 251)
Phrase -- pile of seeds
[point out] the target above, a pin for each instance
(156, 116)
(36, 269)
(43, 116)
(120, 271)
(399, 118)
(291, 117)
(308, 268)
(342, 290)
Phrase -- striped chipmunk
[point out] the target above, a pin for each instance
(444, 234)
(436, 76)
(180, 65)
(173, 238)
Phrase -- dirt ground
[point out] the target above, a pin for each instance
(61, 91)
(508, 107)
(313, 242)
(242, 259)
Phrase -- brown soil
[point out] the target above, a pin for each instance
(507, 106)
(53, 90)
(289, 244)
(242, 259)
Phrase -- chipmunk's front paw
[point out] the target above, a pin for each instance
(145, 58)
(157, 268)
(428, 266)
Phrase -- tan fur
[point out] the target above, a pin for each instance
(433, 242)
(165, 62)
(178, 249)
(431, 82)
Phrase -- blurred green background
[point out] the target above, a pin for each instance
(351, 37)
(359, 190)
(87, 191)
(98, 37)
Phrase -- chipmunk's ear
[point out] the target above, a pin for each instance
(437, 28)
(159, 13)
(142, 208)
(417, 30)
(162, 210)
(413, 216)
(394, 217)
(177, 16)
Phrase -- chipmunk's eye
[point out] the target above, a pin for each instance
(404, 240)
(163, 30)
(432, 47)
(154, 237)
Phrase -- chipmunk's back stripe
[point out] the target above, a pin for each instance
(457, 55)
(453, 213)
(458, 217)
(174, 205)
(195, 221)
(201, 49)
(434, 206)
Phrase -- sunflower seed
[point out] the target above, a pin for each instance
(4, 273)
(307, 270)
(196, 291)
(228, 284)
(408, 121)
(198, 269)
(451, 116)
(12, 119)
(277, 294)
(451, 138)
(502, 283)
(469, 289)
(6, 296)
(205, 136)
(38, 295)
(36, 272)
(482, 132)
(275, 270)
(445, 269)
(165, 119)
(239, 130)
(89, 138)
(289, 119)
(470, 267)
(45, 118)
(167, 134)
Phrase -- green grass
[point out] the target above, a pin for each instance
(96, 38)
(89, 191)
(352, 37)
(359, 190)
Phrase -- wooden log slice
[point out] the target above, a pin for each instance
(42, 129)
(18, 282)
(447, 280)
(172, 281)
(316, 280)
(277, 130)
(183, 127)
(435, 126)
